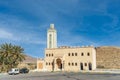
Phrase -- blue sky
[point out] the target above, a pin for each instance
(78, 22)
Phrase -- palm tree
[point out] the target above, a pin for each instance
(18, 55)
(5, 52)
(10, 56)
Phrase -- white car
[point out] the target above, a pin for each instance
(13, 71)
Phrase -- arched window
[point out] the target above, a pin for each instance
(69, 64)
(75, 64)
(72, 64)
(52, 54)
(49, 63)
(88, 54)
(75, 54)
(82, 54)
(72, 54)
(68, 54)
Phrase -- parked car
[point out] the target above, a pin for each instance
(24, 70)
(13, 71)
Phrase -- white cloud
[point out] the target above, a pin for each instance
(21, 38)
(12, 28)
(5, 34)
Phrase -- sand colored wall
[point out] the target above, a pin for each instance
(40, 64)
(70, 62)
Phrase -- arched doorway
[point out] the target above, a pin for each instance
(90, 66)
(81, 66)
(59, 63)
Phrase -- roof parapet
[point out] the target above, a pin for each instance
(87, 46)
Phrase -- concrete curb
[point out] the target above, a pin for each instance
(102, 72)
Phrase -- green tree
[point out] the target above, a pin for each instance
(10, 56)
(17, 55)
(5, 52)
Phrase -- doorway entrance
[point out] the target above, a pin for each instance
(59, 63)
(90, 66)
(81, 66)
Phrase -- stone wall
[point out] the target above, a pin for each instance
(108, 57)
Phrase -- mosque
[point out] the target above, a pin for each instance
(66, 58)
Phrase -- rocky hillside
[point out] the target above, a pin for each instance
(29, 59)
(29, 62)
(108, 57)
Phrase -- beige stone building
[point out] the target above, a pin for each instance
(66, 58)
(70, 59)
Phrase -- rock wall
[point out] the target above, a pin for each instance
(108, 57)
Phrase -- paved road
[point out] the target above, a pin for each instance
(61, 76)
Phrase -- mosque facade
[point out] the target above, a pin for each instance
(66, 58)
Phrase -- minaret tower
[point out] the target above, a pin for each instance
(51, 37)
